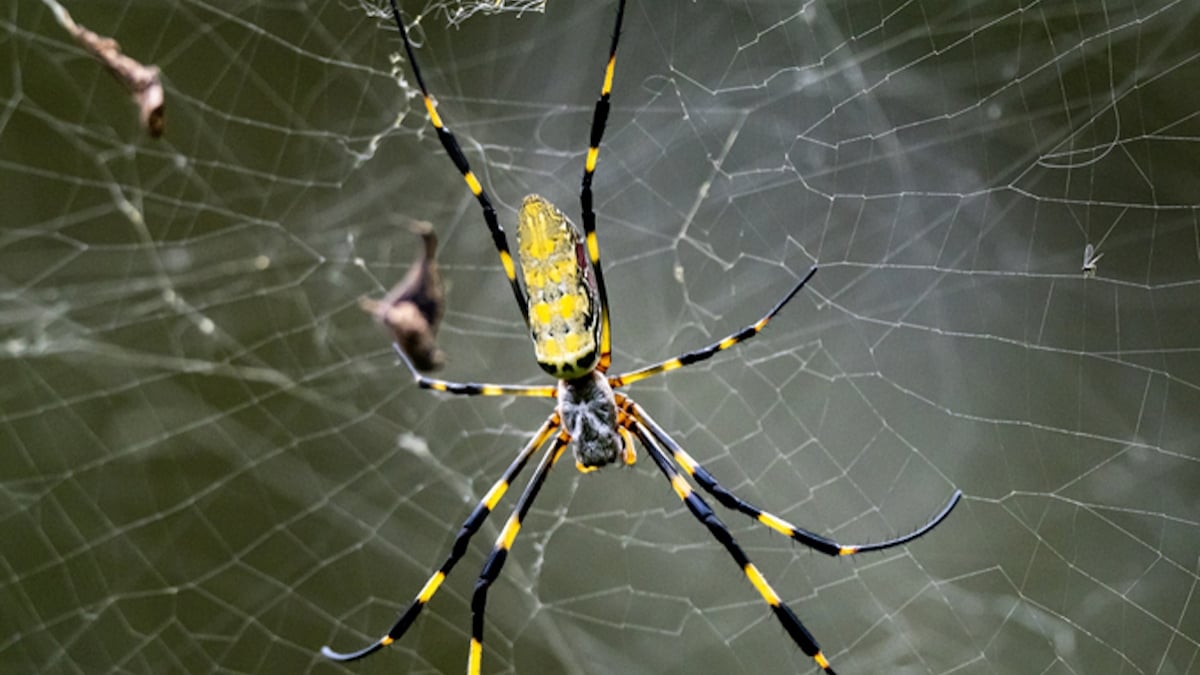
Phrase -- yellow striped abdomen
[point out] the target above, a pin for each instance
(562, 300)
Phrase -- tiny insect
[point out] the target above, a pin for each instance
(1090, 258)
(564, 305)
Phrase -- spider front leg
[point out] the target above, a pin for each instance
(469, 527)
(599, 121)
(703, 513)
(455, 152)
(735, 503)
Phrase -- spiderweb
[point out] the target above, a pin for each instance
(212, 463)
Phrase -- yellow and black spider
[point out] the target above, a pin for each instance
(565, 307)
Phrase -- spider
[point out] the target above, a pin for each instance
(565, 307)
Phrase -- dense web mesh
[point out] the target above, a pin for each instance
(210, 461)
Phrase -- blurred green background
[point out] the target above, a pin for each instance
(210, 460)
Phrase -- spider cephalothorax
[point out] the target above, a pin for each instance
(589, 416)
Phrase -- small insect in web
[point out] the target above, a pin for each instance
(1090, 258)
(565, 306)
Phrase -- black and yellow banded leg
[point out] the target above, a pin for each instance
(708, 352)
(469, 527)
(703, 513)
(599, 121)
(473, 388)
(454, 150)
(735, 503)
(495, 562)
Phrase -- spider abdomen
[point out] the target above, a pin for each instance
(562, 300)
(589, 415)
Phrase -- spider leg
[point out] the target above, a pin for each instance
(454, 150)
(703, 513)
(735, 503)
(469, 527)
(599, 120)
(708, 352)
(472, 388)
(495, 562)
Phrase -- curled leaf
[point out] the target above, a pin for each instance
(413, 309)
(144, 83)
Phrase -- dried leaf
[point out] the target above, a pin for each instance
(413, 309)
(144, 83)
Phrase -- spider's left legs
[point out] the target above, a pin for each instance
(468, 529)
(703, 513)
(599, 120)
(735, 503)
(495, 562)
(705, 353)
(455, 152)
(472, 388)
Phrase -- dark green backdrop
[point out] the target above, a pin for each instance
(211, 462)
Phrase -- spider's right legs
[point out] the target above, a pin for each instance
(599, 120)
(705, 353)
(703, 513)
(735, 503)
